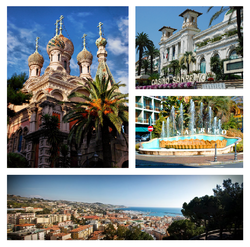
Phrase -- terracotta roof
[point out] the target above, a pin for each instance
(168, 28)
(191, 11)
(80, 228)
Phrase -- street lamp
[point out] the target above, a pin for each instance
(215, 153)
(235, 151)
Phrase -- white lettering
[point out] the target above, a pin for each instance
(223, 132)
(202, 130)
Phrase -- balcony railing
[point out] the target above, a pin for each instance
(138, 104)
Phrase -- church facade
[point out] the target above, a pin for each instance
(219, 40)
(50, 96)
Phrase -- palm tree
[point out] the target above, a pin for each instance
(145, 65)
(225, 9)
(187, 58)
(142, 43)
(152, 52)
(104, 111)
(238, 9)
(215, 65)
(174, 64)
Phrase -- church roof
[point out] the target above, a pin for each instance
(103, 71)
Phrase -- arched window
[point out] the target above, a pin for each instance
(65, 64)
(203, 66)
(51, 58)
(58, 57)
(233, 55)
(36, 71)
(20, 138)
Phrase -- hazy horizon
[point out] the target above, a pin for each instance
(128, 190)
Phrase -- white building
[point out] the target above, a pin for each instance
(147, 107)
(218, 40)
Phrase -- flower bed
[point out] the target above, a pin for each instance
(179, 85)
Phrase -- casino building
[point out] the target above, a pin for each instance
(54, 86)
(219, 40)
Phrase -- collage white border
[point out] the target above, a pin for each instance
(132, 93)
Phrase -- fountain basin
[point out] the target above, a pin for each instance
(226, 145)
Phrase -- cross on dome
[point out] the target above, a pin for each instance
(61, 18)
(37, 38)
(84, 41)
(56, 27)
(100, 28)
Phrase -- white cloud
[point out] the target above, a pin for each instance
(116, 46)
(123, 27)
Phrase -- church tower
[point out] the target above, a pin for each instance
(103, 69)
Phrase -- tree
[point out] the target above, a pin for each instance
(104, 111)
(15, 160)
(174, 65)
(215, 65)
(183, 230)
(230, 196)
(110, 232)
(51, 131)
(188, 58)
(152, 52)
(142, 43)
(223, 9)
(145, 65)
(14, 94)
(64, 161)
(201, 210)
(230, 10)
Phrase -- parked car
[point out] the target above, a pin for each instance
(145, 137)
(137, 138)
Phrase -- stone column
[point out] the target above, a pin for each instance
(33, 112)
(65, 126)
(171, 53)
(43, 156)
(176, 50)
(30, 154)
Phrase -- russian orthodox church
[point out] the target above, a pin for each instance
(54, 86)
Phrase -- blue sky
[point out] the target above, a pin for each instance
(128, 190)
(24, 24)
(150, 19)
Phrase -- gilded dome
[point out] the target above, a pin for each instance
(55, 43)
(69, 47)
(36, 59)
(84, 55)
(101, 41)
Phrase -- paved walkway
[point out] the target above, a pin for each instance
(199, 160)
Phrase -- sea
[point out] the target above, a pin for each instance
(160, 212)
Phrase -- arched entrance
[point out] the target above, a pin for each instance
(203, 66)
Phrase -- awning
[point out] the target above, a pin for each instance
(141, 129)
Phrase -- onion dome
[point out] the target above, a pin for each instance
(101, 42)
(84, 55)
(36, 59)
(69, 47)
(55, 43)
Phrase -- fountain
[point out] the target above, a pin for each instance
(196, 138)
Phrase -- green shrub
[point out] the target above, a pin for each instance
(15, 160)
(137, 146)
